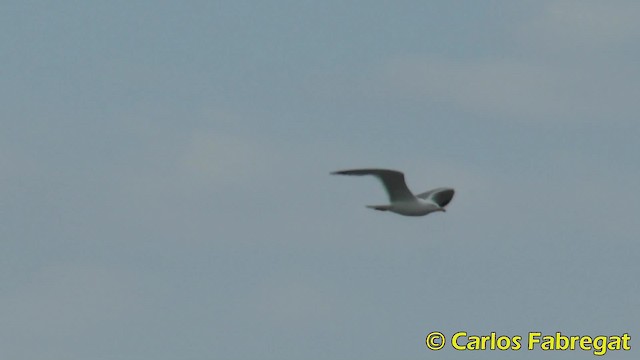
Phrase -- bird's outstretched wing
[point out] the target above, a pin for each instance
(392, 180)
(441, 196)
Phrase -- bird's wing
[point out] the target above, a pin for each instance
(392, 180)
(441, 196)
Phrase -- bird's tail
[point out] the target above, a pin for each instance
(379, 207)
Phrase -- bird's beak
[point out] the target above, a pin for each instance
(443, 209)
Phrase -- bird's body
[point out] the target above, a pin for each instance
(403, 202)
(417, 207)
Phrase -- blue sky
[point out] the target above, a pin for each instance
(166, 190)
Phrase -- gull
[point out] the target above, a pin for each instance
(403, 202)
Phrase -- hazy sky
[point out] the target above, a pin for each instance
(165, 190)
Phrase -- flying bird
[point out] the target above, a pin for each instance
(403, 202)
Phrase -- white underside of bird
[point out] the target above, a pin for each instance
(417, 207)
(402, 201)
